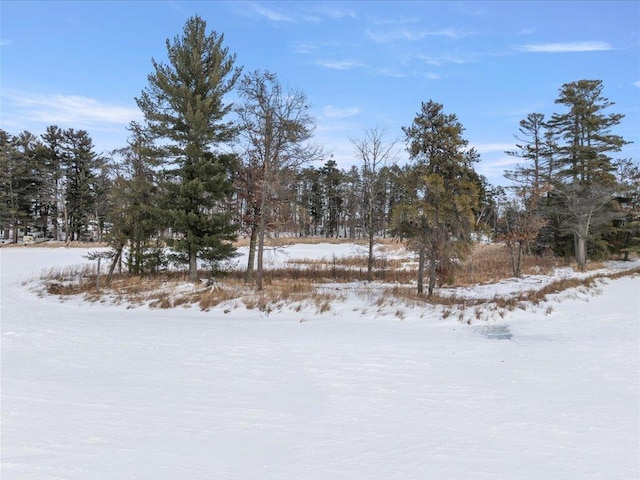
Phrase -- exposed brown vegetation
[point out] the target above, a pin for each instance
(491, 263)
(301, 284)
(513, 301)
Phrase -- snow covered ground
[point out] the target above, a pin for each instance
(104, 392)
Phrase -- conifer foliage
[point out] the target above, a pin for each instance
(185, 113)
(437, 217)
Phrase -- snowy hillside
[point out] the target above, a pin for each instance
(94, 391)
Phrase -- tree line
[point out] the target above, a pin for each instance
(198, 172)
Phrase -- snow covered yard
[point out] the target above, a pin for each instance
(104, 392)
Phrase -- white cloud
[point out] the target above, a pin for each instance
(330, 111)
(492, 147)
(391, 21)
(339, 64)
(4, 42)
(432, 76)
(413, 35)
(271, 14)
(334, 11)
(437, 61)
(565, 47)
(308, 48)
(74, 110)
(637, 84)
(278, 15)
(387, 72)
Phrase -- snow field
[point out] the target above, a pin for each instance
(103, 392)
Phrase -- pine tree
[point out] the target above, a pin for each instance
(437, 218)
(584, 183)
(134, 204)
(81, 166)
(184, 110)
(533, 149)
(311, 200)
(53, 141)
(354, 206)
(21, 183)
(331, 178)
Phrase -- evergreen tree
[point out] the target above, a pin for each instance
(332, 182)
(134, 210)
(354, 207)
(81, 166)
(184, 110)
(532, 148)
(14, 180)
(311, 200)
(53, 141)
(584, 183)
(438, 217)
(21, 183)
(624, 236)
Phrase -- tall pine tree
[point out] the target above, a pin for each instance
(584, 183)
(184, 111)
(81, 166)
(438, 216)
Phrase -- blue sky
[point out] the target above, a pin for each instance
(361, 64)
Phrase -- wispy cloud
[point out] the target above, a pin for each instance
(494, 168)
(271, 14)
(393, 21)
(388, 72)
(414, 34)
(437, 61)
(492, 147)
(4, 42)
(74, 110)
(340, 64)
(276, 15)
(306, 48)
(565, 47)
(637, 84)
(333, 112)
(333, 11)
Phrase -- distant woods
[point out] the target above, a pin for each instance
(200, 171)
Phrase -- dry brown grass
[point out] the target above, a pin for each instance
(170, 290)
(518, 300)
(300, 283)
(285, 241)
(492, 263)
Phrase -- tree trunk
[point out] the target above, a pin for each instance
(112, 267)
(432, 277)
(370, 259)
(581, 251)
(516, 258)
(259, 270)
(67, 229)
(248, 274)
(421, 271)
(262, 224)
(193, 265)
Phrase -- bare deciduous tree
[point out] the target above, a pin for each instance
(375, 153)
(276, 129)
